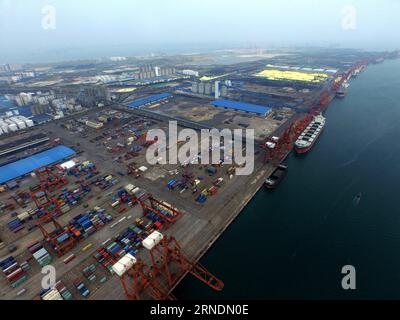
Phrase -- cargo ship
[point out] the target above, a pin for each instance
(276, 177)
(342, 92)
(310, 135)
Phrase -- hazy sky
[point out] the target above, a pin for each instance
(147, 25)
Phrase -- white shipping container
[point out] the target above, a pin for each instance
(130, 187)
(135, 191)
(40, 253)
(116, 203)
(23, 216)
(152, 240)
(12, 127)
(53, 294)
(68, 165)
(124, 264)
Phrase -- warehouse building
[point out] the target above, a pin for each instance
(94, 125)
(25, 166)
(150, 100)
(242, 106)
(23, 144)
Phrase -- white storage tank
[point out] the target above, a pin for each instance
(29, 122)
(24, 120)
(12, 127)
(4, 126)
(20, 124)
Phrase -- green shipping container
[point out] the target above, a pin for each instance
(19, 281)
(67, 295)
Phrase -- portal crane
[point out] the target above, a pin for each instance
(60, 239)
(168, 266)
(166, 212)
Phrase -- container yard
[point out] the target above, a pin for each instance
(79, 194)
(200, 159)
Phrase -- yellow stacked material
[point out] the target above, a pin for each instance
(274, 74)
(209, 78)
(126, 90)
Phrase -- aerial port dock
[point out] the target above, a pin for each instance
(77, 192)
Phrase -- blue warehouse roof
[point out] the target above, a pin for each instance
(5, 104)
(41, 118)
(241, 106)
(22, 167)
(151, 99)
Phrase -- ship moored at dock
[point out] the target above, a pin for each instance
(343, 90)
(276, 177)
(310, 135)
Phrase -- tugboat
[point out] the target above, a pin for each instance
(357, 199)
(276, 177)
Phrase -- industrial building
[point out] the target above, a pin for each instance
(210, 89)
(150, 71)
(94, 125)
(241, 106)
(90, 96)
(41, 118)
(25, 166)
(23, 144)
(149, 100)
(15, 123)
(189, 72)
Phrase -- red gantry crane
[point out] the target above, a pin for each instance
(163, 210)
(60, 239)
(169, 263)
(46, 202)
(277, 148)
(168, 266)
(138, 279)
(50, 180)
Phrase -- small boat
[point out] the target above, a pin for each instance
(357, 199)
(276, 177)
